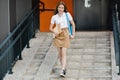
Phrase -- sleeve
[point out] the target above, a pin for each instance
(69, 16)
(52, 20)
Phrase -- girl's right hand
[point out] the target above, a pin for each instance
(56, 34)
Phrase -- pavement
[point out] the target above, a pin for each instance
(41, 61)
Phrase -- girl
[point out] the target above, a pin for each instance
(61, 40)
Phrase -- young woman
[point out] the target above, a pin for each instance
(61, 40)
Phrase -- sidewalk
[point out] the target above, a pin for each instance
(42, 53)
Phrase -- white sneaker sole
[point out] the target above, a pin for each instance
(62, 75)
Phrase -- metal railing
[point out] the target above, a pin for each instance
(116, 32)
(12, 46)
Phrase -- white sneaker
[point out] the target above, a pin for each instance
(63, 73)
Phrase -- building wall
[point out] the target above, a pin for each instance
(45, 16)
(94, 15)
(4, 19)
(22, 8)
(11, 13)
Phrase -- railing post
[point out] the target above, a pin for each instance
(20, 57)
(116, 34)
(10, 71)
(28, 44)
(11, 56)
(33, 25)
(119, 50)
(116, 6)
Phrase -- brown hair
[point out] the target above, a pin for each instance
(60, 3)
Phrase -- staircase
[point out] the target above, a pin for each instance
(88, 58)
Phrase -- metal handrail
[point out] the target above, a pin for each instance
(19, 37)
(116, 32)
(18, 26)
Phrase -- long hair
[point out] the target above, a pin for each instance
(60, 3)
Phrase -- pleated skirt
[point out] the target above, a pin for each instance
(62, 40)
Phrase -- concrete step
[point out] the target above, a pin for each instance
(88, 58)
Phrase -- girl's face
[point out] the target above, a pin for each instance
(60, 8)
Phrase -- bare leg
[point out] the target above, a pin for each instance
(63, 61)
(62, 56)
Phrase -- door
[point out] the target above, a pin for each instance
(91, 14)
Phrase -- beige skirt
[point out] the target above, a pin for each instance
(62, 40)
